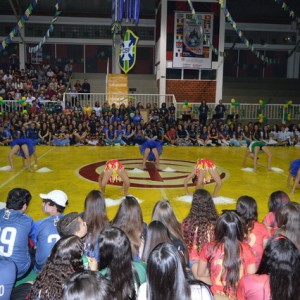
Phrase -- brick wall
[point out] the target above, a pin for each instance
(192, 90)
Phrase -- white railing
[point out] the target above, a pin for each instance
(246, 111)
(143, 99)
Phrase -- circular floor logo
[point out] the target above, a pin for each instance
(171, 173)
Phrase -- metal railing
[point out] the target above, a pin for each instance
(246, 111)
(144, 99)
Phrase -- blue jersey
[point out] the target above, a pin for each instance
(45, 236)
(8, 272)
(15, 229)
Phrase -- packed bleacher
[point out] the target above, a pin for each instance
(38, 113)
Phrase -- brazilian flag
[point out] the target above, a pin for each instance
(127, 56)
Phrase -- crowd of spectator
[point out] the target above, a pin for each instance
(109, 125)
(209, 256)
(40, 115)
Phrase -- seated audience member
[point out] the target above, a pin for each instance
(157, 233)
(65, 259)
(95, 217)
(129, 218)
(276, 203)
(289, 220)
(166, 278)
(71, 224)
(198, 228)
(116, 264)
(87, 285)
(8, 272)
(163, 212)
(16, 229)
(256, 232)
(277, 277)
(45, 231)
(224, 261)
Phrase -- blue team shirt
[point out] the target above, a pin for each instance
(45, 236)
(15, 229)
(8, 272)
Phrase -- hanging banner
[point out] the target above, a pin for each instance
(191, 50)
(127, 56)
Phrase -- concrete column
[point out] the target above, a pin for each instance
(220, 66)
(163, 48)
(115, 55)
(22, 50)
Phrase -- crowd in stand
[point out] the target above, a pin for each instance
(40, 116)
(209, 256)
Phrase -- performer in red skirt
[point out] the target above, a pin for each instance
(114, 171)
(204, 170)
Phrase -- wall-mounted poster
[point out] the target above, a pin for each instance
(190, 50)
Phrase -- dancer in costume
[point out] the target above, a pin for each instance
(151, 151)
(204, 170)
(25, 148)
(294, 172)
(252, 151)
(114, 171)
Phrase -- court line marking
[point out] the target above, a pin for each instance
(22, 170)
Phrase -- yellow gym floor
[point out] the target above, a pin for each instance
(73, 170)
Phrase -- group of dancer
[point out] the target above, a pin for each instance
(205, 169)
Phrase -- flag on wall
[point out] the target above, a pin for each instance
(127, 56)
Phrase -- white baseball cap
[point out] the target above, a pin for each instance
(57, 196)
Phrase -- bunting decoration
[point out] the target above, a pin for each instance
(50, 29)
(259, 55)
(287, 9)
(127, 9)
(205, 37)
(19, 25)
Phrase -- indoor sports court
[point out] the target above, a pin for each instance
(75, 170)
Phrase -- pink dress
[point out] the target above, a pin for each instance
(270, 223)
(254, 287)
(215, 256)
(256, 240)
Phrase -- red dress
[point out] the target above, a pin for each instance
(256, 239)
(114, 165)
(254, 287)
(215, 255)
(206, 165)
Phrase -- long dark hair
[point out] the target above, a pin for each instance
(228, 234)
(201, 219)
(281, 261)
(95, 216)
(164, 213)
(276, 202)
(246, 208)
(165, 275)
(289, 222)
(65, 259)
(115, 255)
(129, 218)
(157, 233)
(87, 285)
